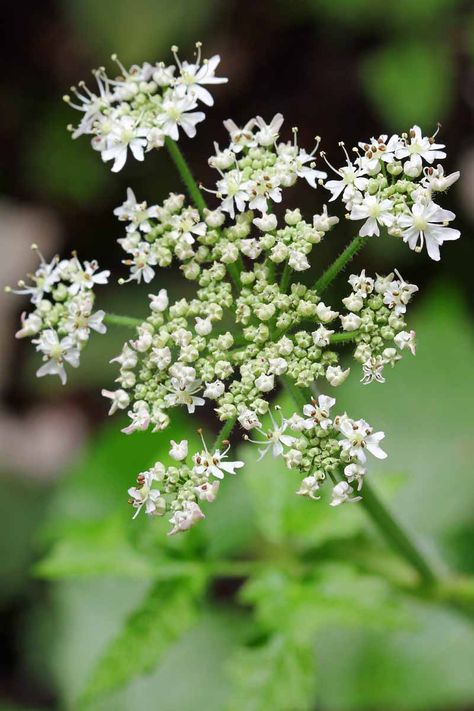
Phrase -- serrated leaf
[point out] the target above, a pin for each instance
(278, 676)
(166, 613)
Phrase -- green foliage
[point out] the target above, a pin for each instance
(167, 611)
(409, 83)
(277, 675)
(322, 611)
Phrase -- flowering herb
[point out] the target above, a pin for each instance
(252, 323)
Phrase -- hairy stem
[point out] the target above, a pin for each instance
(186, 176)
(118, 320)
(380, 515)
(225, 432)
(338, 265)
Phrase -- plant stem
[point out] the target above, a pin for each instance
(185, 173)
(196, 195)
(396, 535)
(118, 320)
(285, 278)
(225, 432)
(338, 265)
(380, 515)
(344, 337)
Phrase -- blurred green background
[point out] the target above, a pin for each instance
(272, 602)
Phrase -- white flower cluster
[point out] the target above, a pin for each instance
(321, 447)
(62, 293)
(144, 105)
(390, 183)
(177, 489)
(249, 325)
(254, 167)
(376, 311)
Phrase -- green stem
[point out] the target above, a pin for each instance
(285, 278)
(224, 433)
(185, 173)
(380, 515)
(344, 337)
(338, 265)
(396, 535)
(117, 320)
(196, 196)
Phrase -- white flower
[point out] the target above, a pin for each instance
(318, 411)
(379, 149)
(275, 438)
(265, 383)
(185, 518)
(177, 111)
(427, 224)
(144, 495)
(350, 322)
(342, 494)
(268, 133)
(263, 188)
(372, 370)
(406, 339)
(325, 313)
(183, 392)
(359, 437)
(437, 181)
(160, 301)
(362, 285)
(335, 375)
(355, 472)
(420, 147)
(214, 390)
(249, 420)
(267, 222)
(125, 134)
(195, 75)
(353, 302)
(31, 324)
(241, 137)
(56, 351)
(398, 294)
(298, 261)
(321, 336)
(120, 399)
(80, 321)
(212, 463)
(203, 326)
(161, 357)
(277, 366)
(350, 177)
(140, 418)
(179, 450)
(136, 213)
(83, 277)
(308, 487)
(375, 212)
(233, 188)
(127, 359)
(207, 491)
(142, 263)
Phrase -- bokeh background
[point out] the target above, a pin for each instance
(71, 566)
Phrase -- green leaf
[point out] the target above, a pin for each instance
(94, 548)
(166, 613)
(408, 83)
(277, 676)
